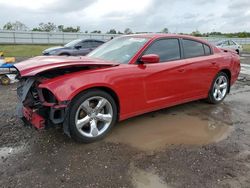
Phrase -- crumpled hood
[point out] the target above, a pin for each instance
(36, 65)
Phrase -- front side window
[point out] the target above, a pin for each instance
(192, 48)
(167, 49)
(84, 44)
(120, 49)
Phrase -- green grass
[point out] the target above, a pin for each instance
(35, 50)
(246, 48)
(23, 50)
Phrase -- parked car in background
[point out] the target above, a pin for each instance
(230, 44)
(125, 77)
(77, 47)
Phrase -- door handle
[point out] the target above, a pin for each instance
(213, 63)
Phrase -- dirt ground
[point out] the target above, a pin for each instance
(190, 145)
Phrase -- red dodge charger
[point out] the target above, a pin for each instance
(125, 77)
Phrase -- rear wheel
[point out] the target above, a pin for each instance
(219, 88)
(92, 115)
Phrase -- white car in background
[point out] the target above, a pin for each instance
(230, 44)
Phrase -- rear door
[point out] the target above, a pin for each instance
(200, 68)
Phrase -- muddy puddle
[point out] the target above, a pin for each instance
(152, 133)
(8, 151)
(245, 69)
(143, 179)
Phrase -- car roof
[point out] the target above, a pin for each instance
(225, 40)
(159, 35)
(163, 35)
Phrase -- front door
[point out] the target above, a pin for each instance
(164, 82)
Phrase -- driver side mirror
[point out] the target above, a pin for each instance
(150, 58)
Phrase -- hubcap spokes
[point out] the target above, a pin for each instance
(98, 115)
(220, 88)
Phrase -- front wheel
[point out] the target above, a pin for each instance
(219, 88)
(92, 115)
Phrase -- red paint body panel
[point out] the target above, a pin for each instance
(141, 88)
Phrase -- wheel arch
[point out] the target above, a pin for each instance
(229, 75)
(106, 89)
(103, 88)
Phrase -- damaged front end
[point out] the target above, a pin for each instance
(39, 106)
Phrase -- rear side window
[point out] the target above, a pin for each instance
(192, 48)
(167, 49)
(95, 43)
(207, 49)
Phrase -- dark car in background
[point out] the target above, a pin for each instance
(74, 48)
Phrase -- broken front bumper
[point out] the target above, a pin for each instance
(36, 108)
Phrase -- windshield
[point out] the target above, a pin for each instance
(120, 50)
(73, 43)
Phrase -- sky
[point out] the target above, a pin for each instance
(139, 15)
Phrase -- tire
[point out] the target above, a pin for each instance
(5, 80)
(92, 115)
(221, 84)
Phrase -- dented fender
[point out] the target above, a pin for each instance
(67, 87)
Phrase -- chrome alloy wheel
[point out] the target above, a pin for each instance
(94, 116)
(220, 88)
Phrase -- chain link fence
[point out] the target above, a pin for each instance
(29, 37)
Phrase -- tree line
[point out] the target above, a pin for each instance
(51, 27)
(243, 34)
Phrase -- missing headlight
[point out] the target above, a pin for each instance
(48, 96)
